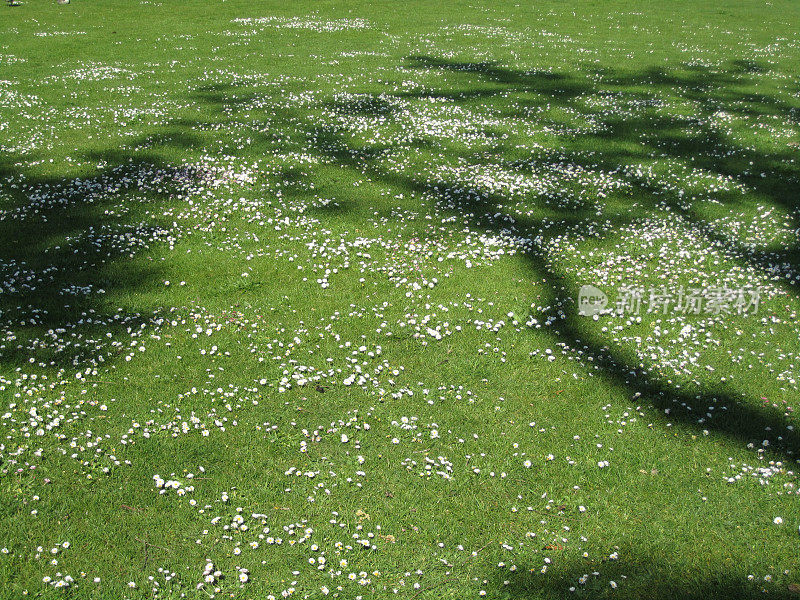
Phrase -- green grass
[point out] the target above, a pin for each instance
(231, 233)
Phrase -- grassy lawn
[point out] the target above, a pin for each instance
(290, 299)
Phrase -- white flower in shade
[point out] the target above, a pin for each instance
(777, 521)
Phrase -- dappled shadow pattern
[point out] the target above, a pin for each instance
(66, 243)
(619, 141)
(641, 577)
(59, 246)
(747, 420)
(56, 246)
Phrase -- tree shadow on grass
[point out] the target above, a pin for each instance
(721, 409)
(65, 243)
(71, 248)
(42, 257)
(770, 176)
(647, 577)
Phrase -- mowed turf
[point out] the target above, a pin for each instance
(290, 291)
